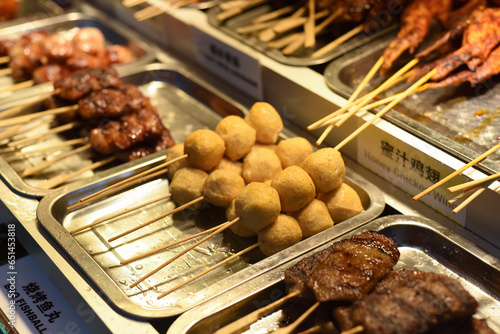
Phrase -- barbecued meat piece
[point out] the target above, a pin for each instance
(57, 48)
(353, 268)
(81, 60)
(149, 147)
(119, 54)
(135, 99)
(90, 41)
(84, 82)
(8, 9)
(49, 73)
(415, 24)
(25, 55)
(410, 301)
(127, 131)
(104, 103)
(5, 46)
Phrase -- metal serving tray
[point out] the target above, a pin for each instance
(100, 260)
(30, 10)
(114, 33)
(424, 245)
(184, 102)
(460, 120)
(301, 58)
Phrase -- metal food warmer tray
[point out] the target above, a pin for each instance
(424, 245)
(114, 33)
(30, 10)
(100, 259)
(302, 57)
(460, 120)
(184, 102)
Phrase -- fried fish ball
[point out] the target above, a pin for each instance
(257, 205)
(238, 136)
(342, 203)
(187, 185)
(237, 228)
(295, 187)
(204, 148)
(293, 151)
(175, 152)
(233, 166)
(282, 233)
(271, 147)
(265, 119)
(222, 186)
(326, 168)
(313, 218)
(261, 165)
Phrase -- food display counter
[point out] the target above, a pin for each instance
(197, 72)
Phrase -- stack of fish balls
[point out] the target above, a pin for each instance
(281, 192)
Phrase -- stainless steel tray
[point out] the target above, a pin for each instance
(30, 10)
(184, 102)
(444, 117)
(100, 260)
(301, 58)
(114, 33)
(424, 245)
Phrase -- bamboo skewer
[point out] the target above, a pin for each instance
(455, 173)
(226, 5)
(66, 143)
(58, 129)
(172, 244)
(473, 184)
(5, 71)
(4, 59)
(151, 221)
(15, 110)
(42, 166)
(467, 201)
(283, 41)
(116, 189)
(18, 129)
(219, 230)
(29, 117)
(17, 86)
(232, 257)
(121, 213)
(269, 33)
(132, 3)
(227, 14)
(273, 15)
(354, 330)
(337, 42)
(309, 27)
(244, 323)
(291, 328)
(256, 27)
(407, 92)
(161, 9)
(295, 22)
(60, 179)
(10, 132)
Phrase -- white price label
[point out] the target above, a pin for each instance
(230, 64)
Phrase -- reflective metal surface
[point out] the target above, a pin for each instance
(424, 245)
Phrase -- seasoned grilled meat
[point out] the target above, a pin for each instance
(148, 147)
(49, 73)
(84, 82)
(105, 103)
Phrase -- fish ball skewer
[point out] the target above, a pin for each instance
(282, 233)
(175, 152)
(342, 203)
(233, 166)
(204, 148)
(238, 228)
(326, 168)
(238, 136)
(313, 218)
(293, 151)
(187, 185)
(222, 186)
(261, 165)
(266, 121)
(295, 188)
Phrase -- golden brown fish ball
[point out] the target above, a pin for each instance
(265, 119)
(313, 218)
(238, 136)
(222, 186)
(261, 165)
(187, 185)
(281, 234)
(295, 187)
(326, 168)
(293, 151)
(204, 148)
(342, 203)
(271, 147)
(237, 228)
(257, 205)
(233, 166)
(175, 152)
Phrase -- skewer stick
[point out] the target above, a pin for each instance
(338, 41)
(227, 14)
(246, 250)
(42, 166)
(55, 130)
(116, 189)
(66, 143)
(157, 10)
(468, 200)
(294, 22)
(407, 92)
(309, 29)
(244, 323)
(295, 45)
(172, 244)
(256, 27)
(232, 4)
(121, 213)
(18, 129)
(354, 330)
(132, 3)
(455, 173)
(129, 181)
(283, 41)
(5, 71)
(60, 179)
(219, 230)
(291, 328)
(273, 15)
(462, 195)
(17, 109)
(269, 34)
(4, 59)
(471, 184)
(10, 132)
(17, 86)
(151, 221)
(30, 117)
